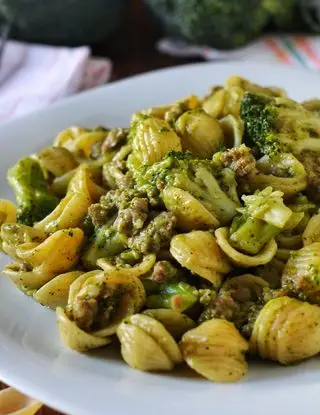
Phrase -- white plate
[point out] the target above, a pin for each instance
(31, 356)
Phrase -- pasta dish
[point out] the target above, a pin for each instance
(191, 236)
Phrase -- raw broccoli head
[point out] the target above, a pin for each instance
(279, 125)
(263, 216)
(33, 199)
(218, 23)
(198, 177)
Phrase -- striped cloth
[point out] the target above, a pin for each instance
(287, 49)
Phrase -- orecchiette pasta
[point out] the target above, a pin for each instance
(152, 139)
(190, 213)
(200, 133)
(286, 330)
(215, 349)
(146, 345)
(55, 292)
(109, 297)
(165, 218)
(199, 252)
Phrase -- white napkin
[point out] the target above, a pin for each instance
(33, 76)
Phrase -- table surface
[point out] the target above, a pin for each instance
(132, 51)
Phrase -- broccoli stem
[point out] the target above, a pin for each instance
(178, 297)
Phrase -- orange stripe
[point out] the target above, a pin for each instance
(281, 55)
(307, 48)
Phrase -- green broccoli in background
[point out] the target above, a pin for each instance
(222, 24)
(263, 216)
(217, 194)
(33, 199)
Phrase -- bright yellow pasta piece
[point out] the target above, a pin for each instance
(243, 260)
(57, 160)
(75, 338)
(8, 211)
(175, 322)
(233, 130)
(68, 214)
(215, 350)
(301, 275)
(200, 133)
(286, 330)
(13, 402)
(312, 231)
(14, 234)
(153, 139)
(83, 182)
(137, 270)
(146, 345)
(55, 292)
(190, 213)
(199, 252)
(57, 254)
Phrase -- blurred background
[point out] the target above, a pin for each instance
(142, 35)
(127, 31)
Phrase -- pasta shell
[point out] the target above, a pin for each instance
(55, 292)
(312, 231)
(137, 270)
(8, 212)
(75, 338)
(286, 330)
(215, 350)
(233, 130)
(57, 160)
(301, 274)
(175, 322)
(200, 133)
(55, 255)
(190, 213)
(128, 292)
(68, 214)
(14, 234)
(14, 402)
(83, 182)
(240, 259)
(161, 351)
(199, 252)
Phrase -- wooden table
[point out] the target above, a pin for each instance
(132, 51)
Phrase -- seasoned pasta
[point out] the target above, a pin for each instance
(148, 233)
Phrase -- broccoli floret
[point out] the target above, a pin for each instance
(263, 216)
(279, 125)
(180, 170)
(33, 199)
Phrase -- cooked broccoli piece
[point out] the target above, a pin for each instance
(195, 176)
(279, 125)
(33, 199)
(218, 23)
(179, 297)
(263, 216)
(156, 235)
